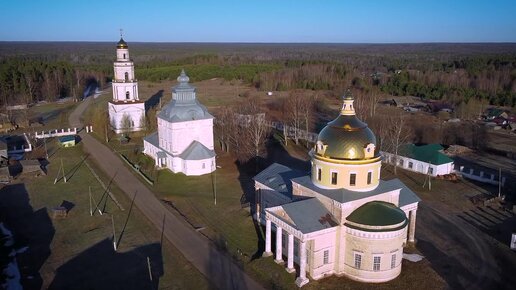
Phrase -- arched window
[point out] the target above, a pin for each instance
(124, 55)
(126, 76)
(127, 95)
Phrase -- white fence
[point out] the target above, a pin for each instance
(22, 148)
(480, 176)
(56, 133)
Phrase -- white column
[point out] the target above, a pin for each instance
(290, 250)
(279, 245)
(267, 252)
(302, 280)
(412, 226)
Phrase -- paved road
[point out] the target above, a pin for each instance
(215, 265)
(457, 251)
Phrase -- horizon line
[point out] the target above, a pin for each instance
(258, 42)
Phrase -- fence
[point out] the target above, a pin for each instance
(55, 133)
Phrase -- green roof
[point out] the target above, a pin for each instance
(429, 153)
(374, 215)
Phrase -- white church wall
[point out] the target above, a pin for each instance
(370, 245)
(321, 244)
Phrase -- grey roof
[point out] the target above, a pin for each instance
(197, 151)
(278, 177)
(184, 105)
(161, 154)
(152, 138)
(345, 195)
(407, 196)
(308, 215)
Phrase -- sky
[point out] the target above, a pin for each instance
(314, 21)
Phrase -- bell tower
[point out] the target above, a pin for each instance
(125, 85)
(126, 111)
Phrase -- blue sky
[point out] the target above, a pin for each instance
(366, 21)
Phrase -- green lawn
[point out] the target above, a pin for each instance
(81, 240)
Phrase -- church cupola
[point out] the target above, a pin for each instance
(345, 154)
(122, 49)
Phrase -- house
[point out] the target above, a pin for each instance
(67, 141)
(426, 159)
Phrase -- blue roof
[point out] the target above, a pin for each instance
(66, 138)
(278, 178)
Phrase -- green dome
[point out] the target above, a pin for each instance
(377, 216)
(346, 137)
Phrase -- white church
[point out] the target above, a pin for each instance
(341, 219)
(126, 111)
(184, 140)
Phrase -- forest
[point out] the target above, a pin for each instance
(456, 73)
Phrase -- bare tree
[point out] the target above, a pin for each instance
(292, 107)
(307, 109)
(398, 134)
(223, 124)
(257, 130)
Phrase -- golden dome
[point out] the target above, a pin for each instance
(121, 43)
(346, 137)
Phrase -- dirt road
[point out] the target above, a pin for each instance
(215, 265)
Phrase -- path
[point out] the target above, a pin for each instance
(215, 265)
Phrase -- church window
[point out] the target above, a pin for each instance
(410, 165)
(369, 177)
(334, 178)
(393, 261)
(353, 179)
(126, 76)
(401, 162)
(376, 263)
(124, 55)
(319, 173)
(127, 95)
(430, 170)
(358, 260)
(326, 257)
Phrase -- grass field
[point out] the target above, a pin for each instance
(77, 251)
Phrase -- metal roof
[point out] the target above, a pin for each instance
(184, 105)
(345, 195)
(377, 216)
(278, 177)
(429, 153)
(197, 151)
(308, 215)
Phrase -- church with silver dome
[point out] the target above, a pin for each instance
(184, 140)
(341, 219)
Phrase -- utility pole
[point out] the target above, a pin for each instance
(91, 209)
(500, 183)
(114, 234)
(62, 167)
(149, 266)
(45, 142)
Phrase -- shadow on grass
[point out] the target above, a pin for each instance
(127, 220)
(33, 229)
(74, 169)
(276, 153)
(99, 267)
